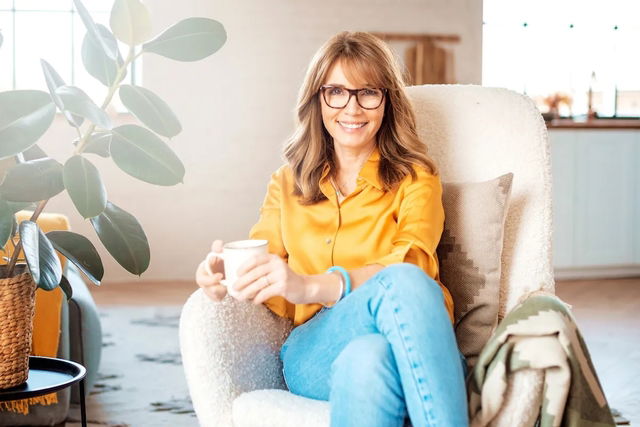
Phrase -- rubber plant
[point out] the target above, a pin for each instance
(140, 150)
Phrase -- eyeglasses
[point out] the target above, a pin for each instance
(339, 97)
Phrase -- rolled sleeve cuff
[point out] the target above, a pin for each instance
(397, 256)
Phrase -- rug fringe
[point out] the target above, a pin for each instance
(22, 406)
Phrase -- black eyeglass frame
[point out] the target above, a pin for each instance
(352, 92)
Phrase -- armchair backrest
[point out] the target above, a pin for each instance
(476, 134)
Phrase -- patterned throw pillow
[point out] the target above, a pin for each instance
(470, 257)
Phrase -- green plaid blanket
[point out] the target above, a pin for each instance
(540, 333)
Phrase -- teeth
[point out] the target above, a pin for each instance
(352, 125)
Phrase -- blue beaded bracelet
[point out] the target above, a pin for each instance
(345, 277)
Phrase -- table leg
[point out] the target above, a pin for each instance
(83, 411)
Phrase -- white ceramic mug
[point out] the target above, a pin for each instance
(234, 254)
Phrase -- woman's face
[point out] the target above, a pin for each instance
(351, 127)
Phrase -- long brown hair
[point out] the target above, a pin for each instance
(310, 148)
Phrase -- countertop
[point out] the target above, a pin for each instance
(594, 124)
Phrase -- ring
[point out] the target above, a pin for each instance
(266, 280)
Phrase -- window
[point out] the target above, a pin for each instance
(547, 47)
(53, 31)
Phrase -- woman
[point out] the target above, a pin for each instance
(358, 194)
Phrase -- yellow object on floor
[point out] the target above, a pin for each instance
(46, 320)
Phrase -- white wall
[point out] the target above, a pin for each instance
(236, 109)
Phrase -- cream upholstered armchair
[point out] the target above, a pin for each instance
(230, 350)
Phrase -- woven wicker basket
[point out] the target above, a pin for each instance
(17, 303)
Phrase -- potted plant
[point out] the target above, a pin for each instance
(140, 150)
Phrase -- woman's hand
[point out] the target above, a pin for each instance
(266, 276)
(208, 276)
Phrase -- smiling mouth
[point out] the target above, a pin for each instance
(352, 125)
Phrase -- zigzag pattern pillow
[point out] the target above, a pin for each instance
(470, 257)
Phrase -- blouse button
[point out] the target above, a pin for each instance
(328, 241)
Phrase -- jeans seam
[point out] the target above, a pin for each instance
(285, 380)
(404, 347)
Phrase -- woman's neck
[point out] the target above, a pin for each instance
(348, 166)
(349, 162)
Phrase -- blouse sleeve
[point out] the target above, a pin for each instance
(420, 225)
(269, 228)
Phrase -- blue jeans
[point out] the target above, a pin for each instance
(384, 352)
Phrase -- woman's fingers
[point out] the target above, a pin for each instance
(252, 280)
(213, 263)
(210, 272)
(215, 292)
(217, 246)
(205, 278)
(252, 270)
(254, 262)
(210, 284)
(253, 288)
(265, 293)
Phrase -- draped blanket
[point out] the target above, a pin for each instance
(539, 334)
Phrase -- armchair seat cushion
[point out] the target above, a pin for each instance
(278, 408)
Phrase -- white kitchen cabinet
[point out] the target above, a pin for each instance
(596, 202)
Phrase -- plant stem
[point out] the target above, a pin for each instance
(112, 90)
(77, 128)
(18, 247)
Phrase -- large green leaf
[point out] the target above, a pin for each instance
(123, 237)
(33, 153)
(7, 219)
(130, 22)
(96, 62)
(191, 39)
(98, 144)
(33, 181)
(80, 251)
(28, 231)
(150, 109)
(109, 49)
(5, 165)
(84, 185)
(54, 81)
(143, 155)
(42, 260)
(78, 102)
(19, 206)
(25, 115)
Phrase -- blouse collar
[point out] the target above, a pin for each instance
(369, 173)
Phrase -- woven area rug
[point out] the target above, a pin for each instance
(141, 381)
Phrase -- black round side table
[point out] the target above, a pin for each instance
(46, 375)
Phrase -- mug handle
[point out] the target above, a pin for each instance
(208, 258)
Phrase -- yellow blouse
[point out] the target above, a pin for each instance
(369, 226)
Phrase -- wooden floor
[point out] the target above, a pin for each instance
(143, 293)
(607, 313)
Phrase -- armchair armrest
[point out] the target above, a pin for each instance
(228, 348)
